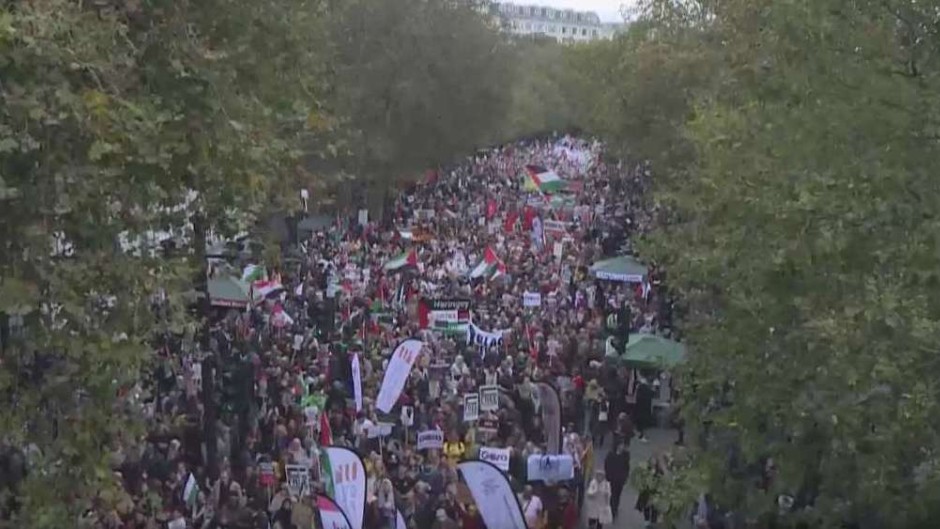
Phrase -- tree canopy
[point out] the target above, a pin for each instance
(795, 146)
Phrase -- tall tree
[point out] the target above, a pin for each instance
(118, 120)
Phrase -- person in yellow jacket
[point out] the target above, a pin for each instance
(454, 448)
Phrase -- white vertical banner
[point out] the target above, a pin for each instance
(331, 515)
(399, 367)
(346, 482)
(493, 495)
(357, 381)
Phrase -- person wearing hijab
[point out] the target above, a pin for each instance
(597, 505)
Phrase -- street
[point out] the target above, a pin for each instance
(660, 441)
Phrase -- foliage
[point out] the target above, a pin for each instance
(117, 121)
(798, 146)
(416, 83)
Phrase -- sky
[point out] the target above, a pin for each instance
(608, 10)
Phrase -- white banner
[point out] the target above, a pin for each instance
(399, 367)
(544, 467)
(430, 439)
(479, 337)
(471, 407)
(494, 497)
(331, 516)
(357, 381)
(489, 398)
(496, 456)
(531, 299)
(298, 479)
(347, 477)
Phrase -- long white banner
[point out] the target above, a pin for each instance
(493, 495)
(399, 367)
(357, 381)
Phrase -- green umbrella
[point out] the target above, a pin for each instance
(623, 268)
(648, 350)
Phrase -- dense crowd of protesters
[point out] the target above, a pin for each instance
(284, 362)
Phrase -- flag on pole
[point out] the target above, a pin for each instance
(326, 433)
(190, 491)
(252, 273)
(489, 267)
(409, 258)
(542, 180)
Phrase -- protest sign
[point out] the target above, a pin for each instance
(298, 479)
(407, 416)
(489, 398)
(266, 473)
(382, 429)
(544, 467)
(471, 407)
(531, 299)
(497, 456)
(430, 439)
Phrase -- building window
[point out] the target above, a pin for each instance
(563, 30)
(544, 12)
(583, 32)
(594, 33)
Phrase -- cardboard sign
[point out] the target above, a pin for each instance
(471, 407)
(430, 439)
(531, 299)
(363, 217)
(496, 456)
(298, 480)
(489, 398)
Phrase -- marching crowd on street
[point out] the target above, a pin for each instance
(487, 264)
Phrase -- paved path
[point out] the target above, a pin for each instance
(659, 441)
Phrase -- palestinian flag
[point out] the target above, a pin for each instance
(263, 289)
(190, 491)
(253, 273)
(489, 267)
(536, 178)
(409, 258)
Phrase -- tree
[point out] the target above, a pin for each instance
(800, 237)
(416, 84)
(119, 120)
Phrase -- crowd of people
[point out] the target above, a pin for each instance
(482, 231)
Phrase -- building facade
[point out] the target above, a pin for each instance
(563, 25)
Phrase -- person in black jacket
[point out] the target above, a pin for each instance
(617, 468)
